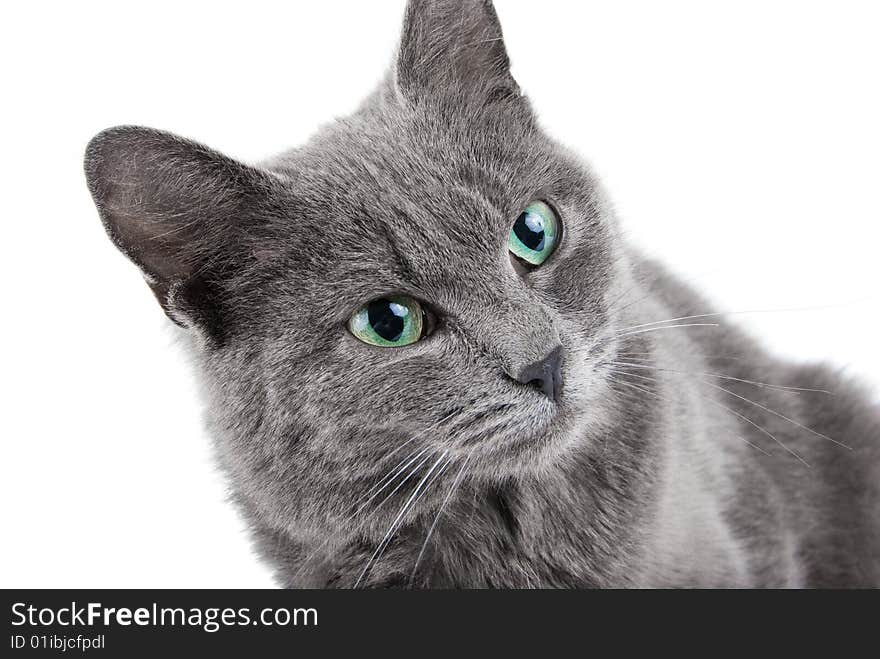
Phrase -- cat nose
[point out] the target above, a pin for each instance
(544, 374)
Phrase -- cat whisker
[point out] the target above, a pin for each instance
(478, 416)
(632, 364)
(356, 513)
(481, 428)
(383, 484)
(394, 525)
(663, 327)
(379, 487)
(648, 287)
(648, 391)
(458, 478)
(642, 353)
(723, 407)
(751, 422)
(739, 437)
(781, 416)
(481, 42)
(762, 430)
(719, 314)
(390, 479)
(414, 471)
(409, 441)
(638, 284)
(716, 314)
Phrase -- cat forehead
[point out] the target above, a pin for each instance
(422, 228)
(400, 195)
(423, 168)
(350, 241)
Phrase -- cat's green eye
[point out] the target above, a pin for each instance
(390, 322)
(534, 234)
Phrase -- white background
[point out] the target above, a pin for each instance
(739, 140)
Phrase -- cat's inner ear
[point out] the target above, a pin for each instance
(178, 210)
(450, 46)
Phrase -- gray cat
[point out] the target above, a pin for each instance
(429, 359)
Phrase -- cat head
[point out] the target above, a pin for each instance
(423, 284)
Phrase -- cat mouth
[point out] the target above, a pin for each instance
(522, 420)
(505, 426)
(535, 427)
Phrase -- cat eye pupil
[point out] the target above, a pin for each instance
(534, 234)
(529, 228)
(387, 318)
(391, 322)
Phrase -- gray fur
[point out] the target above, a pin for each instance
(645, 473)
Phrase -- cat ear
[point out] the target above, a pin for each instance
(451, 45)
(175, 208)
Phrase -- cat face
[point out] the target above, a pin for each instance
(367, 304)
